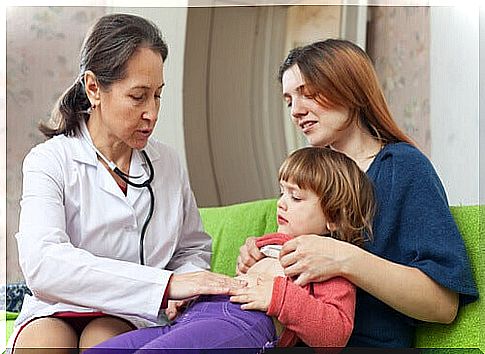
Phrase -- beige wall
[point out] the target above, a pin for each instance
(233, 127)
(399, 40)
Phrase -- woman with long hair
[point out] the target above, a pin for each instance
(416, 267)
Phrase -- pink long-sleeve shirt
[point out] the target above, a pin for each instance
(319, 314)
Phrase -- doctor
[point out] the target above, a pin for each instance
(109, 230)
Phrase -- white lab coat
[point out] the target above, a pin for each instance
(78, 236)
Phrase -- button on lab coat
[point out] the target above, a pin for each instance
(79, 235)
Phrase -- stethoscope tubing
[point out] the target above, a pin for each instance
(126, 178)
(145, 225)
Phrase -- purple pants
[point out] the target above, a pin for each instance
(211, 322)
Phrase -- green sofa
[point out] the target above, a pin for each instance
(230, 225)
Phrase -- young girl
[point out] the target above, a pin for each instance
(322, 192)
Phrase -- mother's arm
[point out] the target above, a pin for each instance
(313, 258)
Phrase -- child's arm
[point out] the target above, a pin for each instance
(327, 317)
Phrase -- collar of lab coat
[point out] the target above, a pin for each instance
(84, 152)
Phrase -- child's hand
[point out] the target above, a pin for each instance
(256, 296)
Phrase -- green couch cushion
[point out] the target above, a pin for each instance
(9, 317)
(229, 226)
(467, 329)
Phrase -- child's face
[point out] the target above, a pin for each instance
(299, 211)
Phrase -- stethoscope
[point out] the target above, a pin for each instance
(147, 183)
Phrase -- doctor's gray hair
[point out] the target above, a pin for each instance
(106, 50)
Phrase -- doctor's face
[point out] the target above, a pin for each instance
(128, 111)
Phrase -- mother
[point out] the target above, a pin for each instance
(416, 267)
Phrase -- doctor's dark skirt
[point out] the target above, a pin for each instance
(211, 322)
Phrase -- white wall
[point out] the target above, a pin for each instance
(454, 100)
(172, 22)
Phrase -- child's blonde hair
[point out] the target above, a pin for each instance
(346, 194)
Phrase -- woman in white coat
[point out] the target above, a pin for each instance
(100, 255)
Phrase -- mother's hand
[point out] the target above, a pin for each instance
(249, 254)
(187, 285)
(313, 258)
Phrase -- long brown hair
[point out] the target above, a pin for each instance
(345, 192)
(339, 73)
(106, 50)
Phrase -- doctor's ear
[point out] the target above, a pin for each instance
(92, 88)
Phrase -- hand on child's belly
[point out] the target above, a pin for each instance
(265, 267)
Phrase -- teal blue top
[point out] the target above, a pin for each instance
(414, 227)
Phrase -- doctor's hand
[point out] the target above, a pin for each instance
(257, 295)
(249, 254)
(187, 285)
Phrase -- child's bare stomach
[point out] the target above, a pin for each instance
(265, 266)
